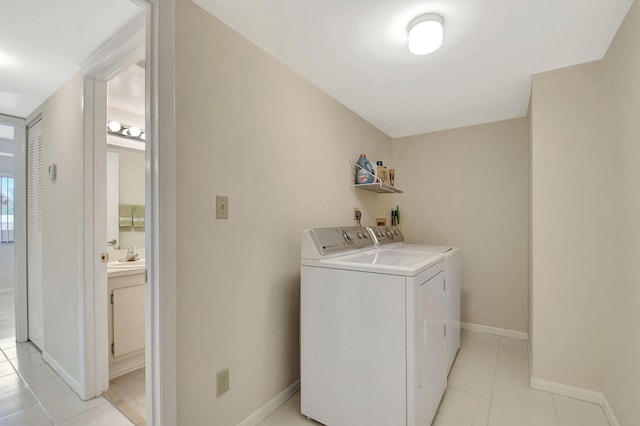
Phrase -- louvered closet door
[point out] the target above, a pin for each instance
(35, 177)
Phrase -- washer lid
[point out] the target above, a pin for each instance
(394, 262)
(447, 250)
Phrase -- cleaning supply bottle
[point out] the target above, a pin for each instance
(365, 170)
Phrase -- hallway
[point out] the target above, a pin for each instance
(31, 393)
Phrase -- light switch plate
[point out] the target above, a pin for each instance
(222, 207)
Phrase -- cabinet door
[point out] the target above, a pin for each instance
(128, 319)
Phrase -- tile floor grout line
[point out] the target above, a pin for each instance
(493, 383)
(40, 403)
(27, 386)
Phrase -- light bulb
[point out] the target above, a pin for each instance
(425, 34)
(114, 126)
(134, 131)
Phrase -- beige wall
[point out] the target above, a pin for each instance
(469, 187)
(621, 69)
(250, 128)
(572, 244)
(62, 253)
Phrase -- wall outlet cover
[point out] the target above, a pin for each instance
(222, 382)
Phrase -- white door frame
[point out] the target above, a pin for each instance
(161, 216)
(124, 49)
(162, 382)
(20, 222)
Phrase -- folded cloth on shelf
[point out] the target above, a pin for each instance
(126, 215)
(138, 216)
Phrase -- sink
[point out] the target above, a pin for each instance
(126, 265)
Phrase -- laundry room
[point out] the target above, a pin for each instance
(532, 199)
(262, 277)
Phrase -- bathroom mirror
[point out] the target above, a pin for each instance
(126, 159)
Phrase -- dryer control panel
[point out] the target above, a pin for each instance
(384, 235)
(336, 240)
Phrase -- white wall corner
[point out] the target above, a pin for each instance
(64, 375)
(503, 332)
(271, 406)
(608, 412)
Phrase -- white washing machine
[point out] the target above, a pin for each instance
(371, 331)
(390, 237)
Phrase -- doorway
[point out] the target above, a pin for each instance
(12, 231)
(126, 241)
(160, 213)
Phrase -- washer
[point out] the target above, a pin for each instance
(371, 331)
(390, 237)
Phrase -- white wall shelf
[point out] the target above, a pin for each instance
(379, 187)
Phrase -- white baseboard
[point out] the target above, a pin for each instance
(120, 368)
(544, 385)
(271, 406)
(64, 375)
(566, 390)
(503, 332)
(608, 412)
(6, 290)
(577, 393)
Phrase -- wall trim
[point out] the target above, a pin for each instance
(503, 332)
(6, 290)
(566, 390)
(577, 393)
(271, 406)
(64, 374)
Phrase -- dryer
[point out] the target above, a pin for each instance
(390, 237)
(371, 331)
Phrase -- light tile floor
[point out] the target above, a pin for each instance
(128, 394)
(488, 386)
(32, 394)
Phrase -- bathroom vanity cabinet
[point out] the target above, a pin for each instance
(127, 331)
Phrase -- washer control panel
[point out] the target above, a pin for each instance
(386, 235)
(335, 240)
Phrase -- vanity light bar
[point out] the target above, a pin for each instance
(116, 128)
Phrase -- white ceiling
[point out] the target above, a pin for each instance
(126, 90)
(355, 50)
(44, 42)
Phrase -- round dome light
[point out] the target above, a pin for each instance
(426, 34)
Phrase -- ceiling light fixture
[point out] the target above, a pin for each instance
(116, 128)
(6, 60)
(425, 34)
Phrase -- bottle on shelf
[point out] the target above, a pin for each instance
(364, 174)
